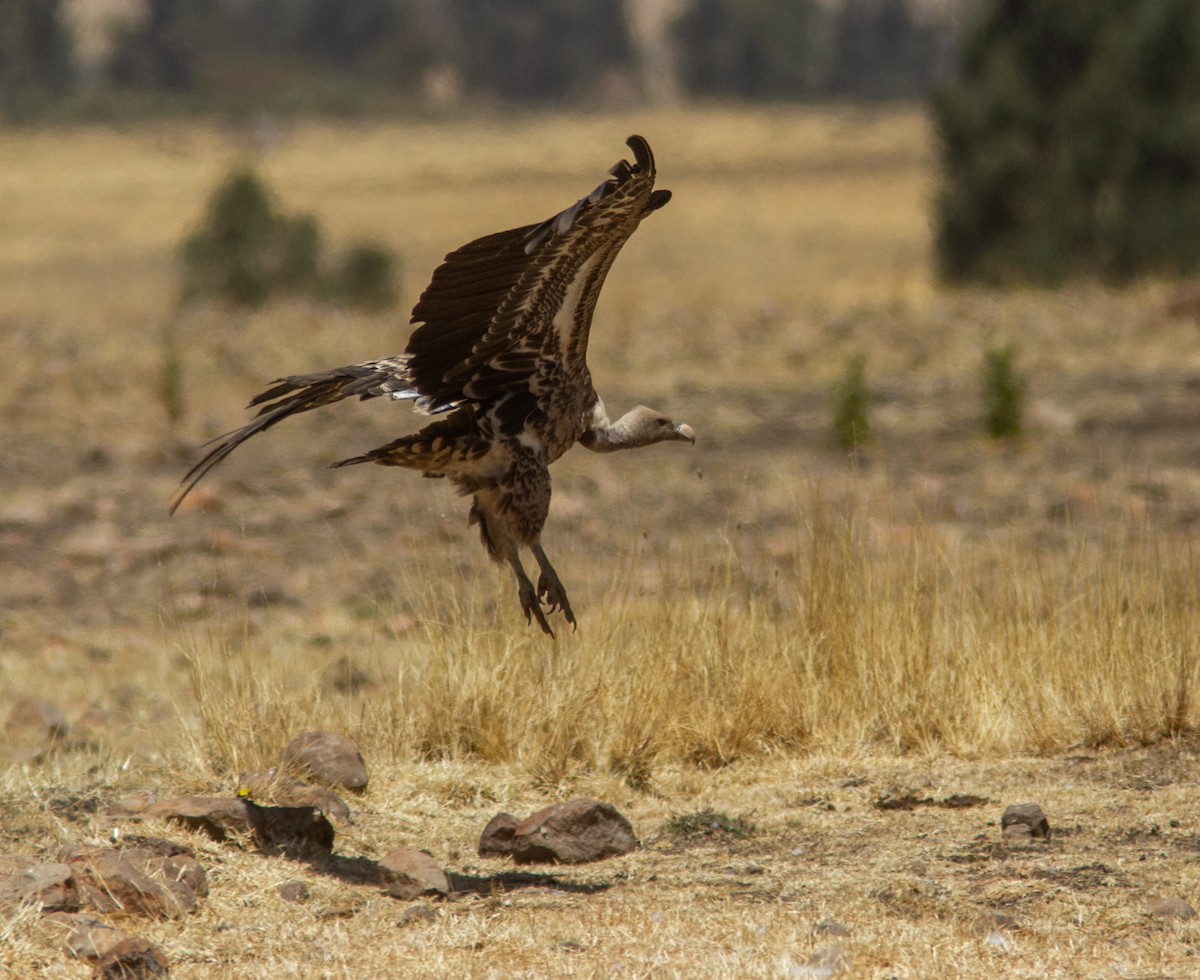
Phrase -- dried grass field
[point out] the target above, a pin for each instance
(769, 628)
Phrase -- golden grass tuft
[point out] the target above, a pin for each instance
(891, 648)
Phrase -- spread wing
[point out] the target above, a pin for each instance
(503, 309)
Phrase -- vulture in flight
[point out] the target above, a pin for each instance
(499, 356)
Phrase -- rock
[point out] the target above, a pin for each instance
(48, 885)
(329, 758)
(172, 865)
(131, 804)
(1170, 908)
(33, 728)
(217, 816)
(575, 832)
(416, 915)
(831, 927)
(87, 938)
(297, 831)
(407, 874)
(293, 891)
(279, 788)
(1025, 820)
(497, 837)
(989, 922)
(131, 958)
(110, 883)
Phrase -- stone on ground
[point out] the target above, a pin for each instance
(27, 881)
(329, 758)
(1024, 820)
(408, 874)
(130, 959)
(497, 837)
(574, 832)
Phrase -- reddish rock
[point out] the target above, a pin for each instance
(171, 864)
(129, 959)
(329, 758)
(86, 938)
(48, 885)
(276, 787)
(217, 816)
(497, 837)
(572, 833)
(409, 874)
(1025, 820)
(112, 884)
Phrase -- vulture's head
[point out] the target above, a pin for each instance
(646, 426)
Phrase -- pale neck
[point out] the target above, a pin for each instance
(606, 436)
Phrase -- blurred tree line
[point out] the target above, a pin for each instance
(523, 51)
(1070, 143)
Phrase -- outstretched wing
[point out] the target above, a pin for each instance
(499, 307)
(301, 393)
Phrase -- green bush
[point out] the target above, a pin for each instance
(366, 277)
(851, 400)
(247, 251)
(1003, 393)
(1070, 143)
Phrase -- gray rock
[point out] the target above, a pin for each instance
(1025, 820)
(293, 891)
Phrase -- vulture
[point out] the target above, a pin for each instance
(498, 355)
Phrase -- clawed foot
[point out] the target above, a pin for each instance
(552, 593)
(533, 609)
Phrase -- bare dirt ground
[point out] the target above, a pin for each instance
(795, 240)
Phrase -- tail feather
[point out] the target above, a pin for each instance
(300, 393)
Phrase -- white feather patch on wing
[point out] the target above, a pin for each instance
(564, 322)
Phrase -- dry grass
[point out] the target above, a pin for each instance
(768, 627)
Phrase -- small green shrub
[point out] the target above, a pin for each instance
(851, 400)
(366, 276)
(247, 251)
(170, 375)
(1003, 393)
(708, 823)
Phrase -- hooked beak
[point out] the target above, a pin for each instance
(685, 432)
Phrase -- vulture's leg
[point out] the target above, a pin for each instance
(550, 588)
(529, 600)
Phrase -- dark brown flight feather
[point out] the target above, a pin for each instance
(500, 344)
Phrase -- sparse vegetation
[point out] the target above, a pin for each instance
(365, 277)
(708, 823)
(851, 403)
(1003, 393)
(765, 629)
(247, 250)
